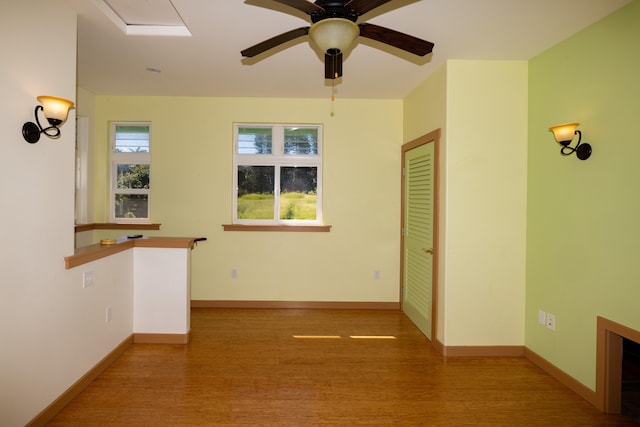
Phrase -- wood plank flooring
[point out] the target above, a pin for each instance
(244, 367)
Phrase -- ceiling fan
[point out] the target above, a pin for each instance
(333, 29)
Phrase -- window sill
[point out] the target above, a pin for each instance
(286, 228)
(116, 226)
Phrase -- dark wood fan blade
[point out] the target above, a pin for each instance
(302, 5)
(396, 39)
(364, 6)
(333, 66)
(275, 41)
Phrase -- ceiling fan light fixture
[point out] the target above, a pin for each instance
(334, 33)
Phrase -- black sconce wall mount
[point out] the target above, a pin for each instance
(564, 135)
(55, 110)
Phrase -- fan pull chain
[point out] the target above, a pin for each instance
(333, 90)
(333, 94)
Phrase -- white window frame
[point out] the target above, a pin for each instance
(278, 159)
(117, 158)
(82, 170)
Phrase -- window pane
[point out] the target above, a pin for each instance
(255, 192)
(254, 140)
(132, 139)
(132, 206)
(301, 141)
(132, 176)
(298, 193)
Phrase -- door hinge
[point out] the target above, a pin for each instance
(402, 231)
(404, 171)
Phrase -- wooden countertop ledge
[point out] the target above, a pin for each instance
(96, 251)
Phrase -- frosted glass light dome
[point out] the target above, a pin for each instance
(334, 33)
(55, 109)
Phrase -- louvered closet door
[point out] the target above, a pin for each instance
(418, 236)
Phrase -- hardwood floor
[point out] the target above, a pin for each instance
(244, 367)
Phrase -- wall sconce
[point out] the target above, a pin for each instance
(55, 111)
(564, 135)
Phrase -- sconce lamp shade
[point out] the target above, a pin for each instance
(334, 33)
(564, 133)
(55, 109)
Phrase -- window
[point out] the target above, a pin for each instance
(277, 174)
(82, 170)
(130, 172)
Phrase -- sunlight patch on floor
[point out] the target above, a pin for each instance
(373, 337)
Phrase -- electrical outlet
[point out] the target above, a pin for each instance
(87, 279)
(108, 315)
(551, 321)
(542, 317)
(376, 274)
(234, 273)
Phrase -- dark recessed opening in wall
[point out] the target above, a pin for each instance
(617, 369)
(630, 398)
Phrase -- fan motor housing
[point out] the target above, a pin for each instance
(333, 9)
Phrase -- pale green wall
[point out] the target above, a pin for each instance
(583, 233)
(482, 108)
(192, 195)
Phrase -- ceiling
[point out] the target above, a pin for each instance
(208, 63)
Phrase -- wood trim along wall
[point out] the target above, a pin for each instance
(483, 351)
(141, 338)
(56, 406)
(574, 385)
(479, 350)
(437, 344)
(336, 305)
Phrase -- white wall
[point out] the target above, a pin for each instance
(162, 292)
(51, 329)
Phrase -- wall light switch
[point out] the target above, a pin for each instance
(542, 317)
(87, 279)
